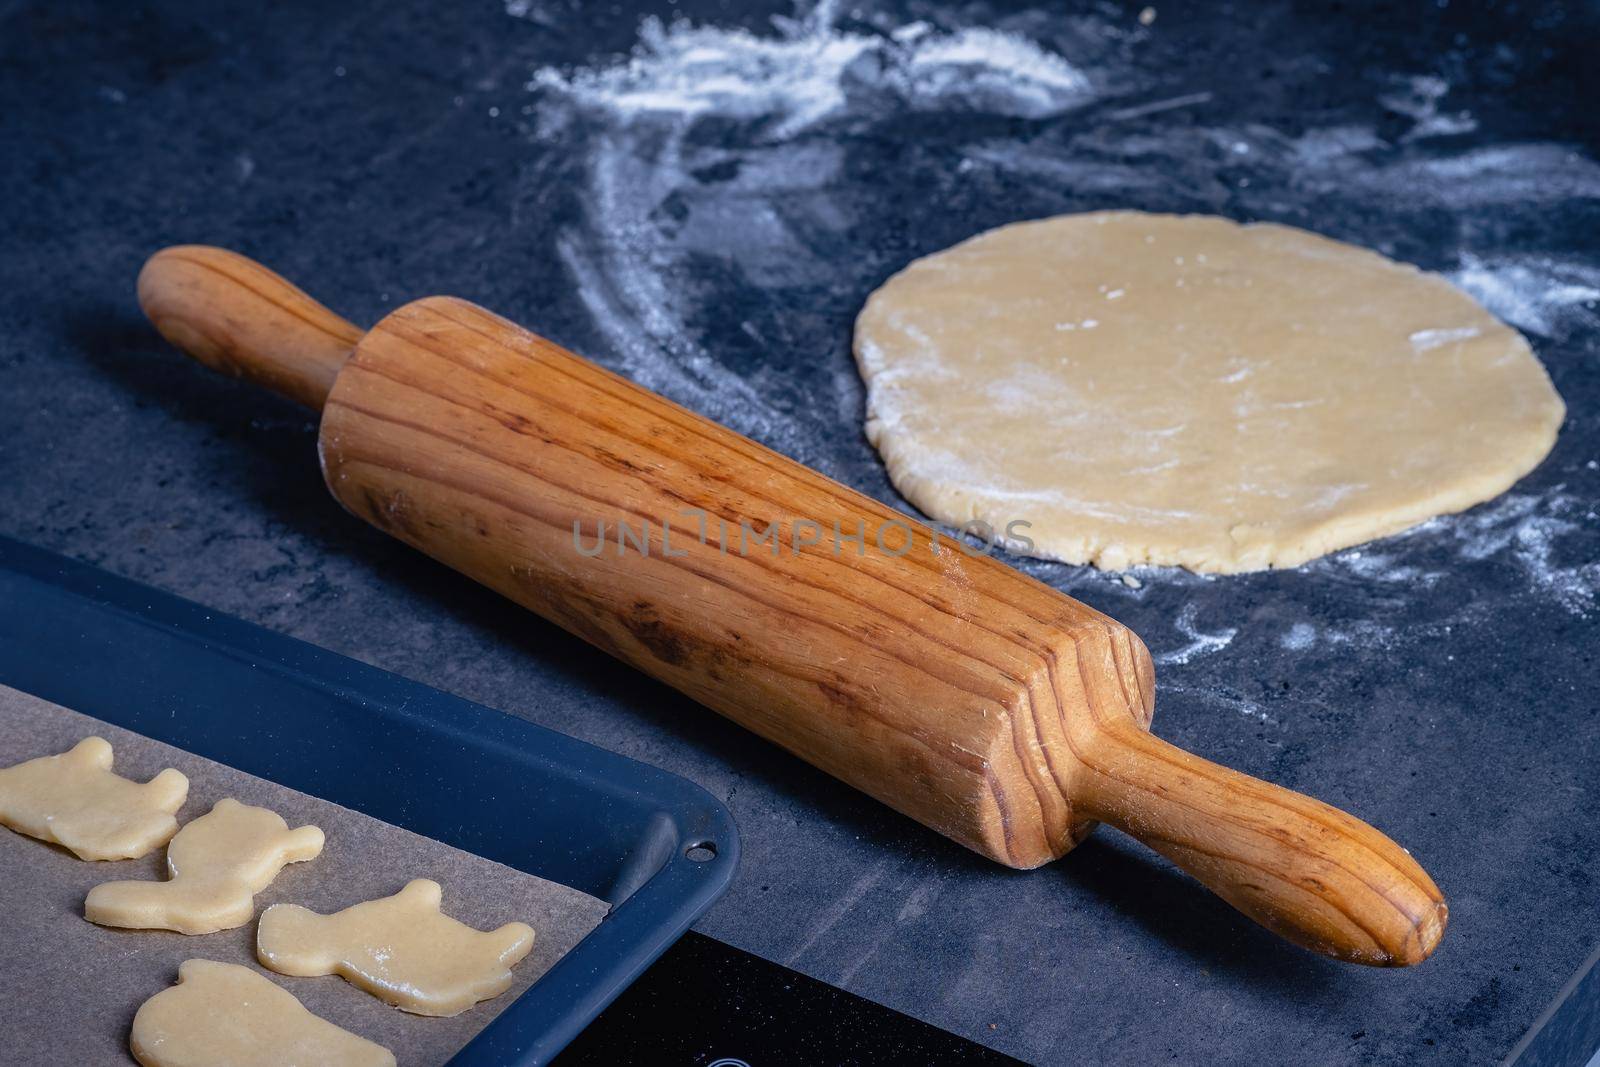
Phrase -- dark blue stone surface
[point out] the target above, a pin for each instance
(1440, 684)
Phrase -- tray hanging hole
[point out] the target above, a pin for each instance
(701, 852)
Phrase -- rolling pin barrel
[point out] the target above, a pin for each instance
(952, 687)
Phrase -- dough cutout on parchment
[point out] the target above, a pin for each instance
(401, 949)
(222, 1013)
(74, 800)
(216, 865)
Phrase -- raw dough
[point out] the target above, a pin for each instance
(223, 1014)
(217, 864)
(401, 949)
(1186, 390)
(74, 800)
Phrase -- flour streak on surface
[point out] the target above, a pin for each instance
(1419, 97)
(808, 71)
(1199, 642)
(1542, 295)
(1530, 531)
(1540, 537)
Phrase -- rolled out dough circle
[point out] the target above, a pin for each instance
(1185, 390)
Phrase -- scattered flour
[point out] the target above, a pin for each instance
(1425, 340)
(687, 71)
(1525, 173)
(1301, 635)
(1381, 566)
(990, 71)
(1222, 696)
(1546, 296)
(1200, 643)
(1361, 633)
(806, 73)
(1528, 530)
(1418, 97)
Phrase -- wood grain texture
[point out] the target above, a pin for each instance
(224, 309)
(948, 685)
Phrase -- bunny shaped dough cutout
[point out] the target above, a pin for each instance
(401, 949)
(221, 1013)
(73, 800)
(216, 865)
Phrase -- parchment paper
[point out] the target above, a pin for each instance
(69, 988)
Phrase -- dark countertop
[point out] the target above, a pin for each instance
(1440, 684)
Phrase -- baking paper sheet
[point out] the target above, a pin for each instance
(69, 988)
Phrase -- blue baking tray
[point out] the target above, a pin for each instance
(658, 848)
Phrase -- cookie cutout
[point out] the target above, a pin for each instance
(401, 949)
(221, 1013)
(73, 800)
(216, 866)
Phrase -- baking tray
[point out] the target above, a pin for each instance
(657, 848)
(1567, 1034)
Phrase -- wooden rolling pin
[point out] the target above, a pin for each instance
(950, 686)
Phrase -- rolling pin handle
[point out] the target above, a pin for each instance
(238, 317)
(1305, 870)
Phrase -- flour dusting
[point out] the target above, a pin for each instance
(1524, 173)
(1540, 294)
(1424, 340)
(1301, 635)
(1200, 643)
(1221, 696)
(688, 71)
(806, 72)
(1536, 534)
(1418, 97)
(1530, 530)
